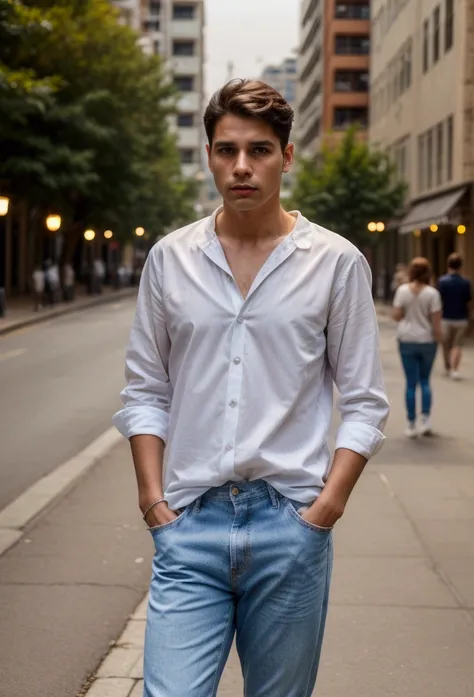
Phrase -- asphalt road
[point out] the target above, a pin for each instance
(59, 386)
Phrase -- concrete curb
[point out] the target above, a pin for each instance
(16, 516)
(67, 310)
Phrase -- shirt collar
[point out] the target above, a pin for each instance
(206, 231)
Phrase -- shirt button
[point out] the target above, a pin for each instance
(229, 446)
(237, 360)
(235, 491)
(233, 403)
(240, 320)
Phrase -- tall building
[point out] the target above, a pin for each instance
(333, 69)
(175, 31)
(130, 12)
(422, 93)
(283, 77)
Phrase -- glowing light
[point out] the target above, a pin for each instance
(372, 227)
(416, 233)
(53, 222)
(108, 234)
(461, 229)
(434, 228)
(89, 235)
(380, 227)
(139, 232)
(4, 203)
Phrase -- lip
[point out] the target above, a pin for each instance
(244, 190)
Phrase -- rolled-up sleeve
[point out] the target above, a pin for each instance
(354, 356)
(146, 398)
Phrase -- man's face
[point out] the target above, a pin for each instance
(247, 161)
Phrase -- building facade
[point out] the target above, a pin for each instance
(422, 97)
(333, 70)
(175, 31)
(130, 12)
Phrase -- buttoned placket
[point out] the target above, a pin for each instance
(214, 251)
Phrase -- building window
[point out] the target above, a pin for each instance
(439, 154)
(449, 24)
(449, 149)
(183, 48)
(290, 91)
(184, 83)
(155, 7)
(352, 11)
(426, 37)
(429, 159)
(352, 45)
(185, 120)
(421, 163)
(436, 37)
(346, 116)
(186, 156)
(351, 81)
(156, 47)
(152, 25)
(184, 11)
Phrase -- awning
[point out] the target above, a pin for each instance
(434, 211)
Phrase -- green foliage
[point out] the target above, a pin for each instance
(84, 119)
(349, 186)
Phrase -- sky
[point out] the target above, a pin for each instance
(249, 33)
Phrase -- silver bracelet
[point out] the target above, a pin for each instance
(152, 506)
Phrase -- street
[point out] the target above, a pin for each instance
(59, 387)
(401, 620)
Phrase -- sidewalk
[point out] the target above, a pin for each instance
(20, 310)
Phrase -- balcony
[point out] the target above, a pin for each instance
(186, 29)
(189, 138)
(185, 65)
(189, 102)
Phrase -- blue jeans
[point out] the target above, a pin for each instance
(238, 561)
(417, 361)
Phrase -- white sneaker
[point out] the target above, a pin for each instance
(411, 431)
(425, 426)
(455, 375)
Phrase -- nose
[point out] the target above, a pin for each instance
(242, 166)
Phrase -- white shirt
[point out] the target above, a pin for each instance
(242, 389)
(38, 281)
(416, 326)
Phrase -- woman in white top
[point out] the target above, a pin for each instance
(417, 309)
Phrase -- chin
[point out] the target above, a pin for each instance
(243, 204)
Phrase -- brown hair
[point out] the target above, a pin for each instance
(454, 262)
(420, 270)
(251, 99)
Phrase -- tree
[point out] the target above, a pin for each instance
(84, 120)
(347, 187)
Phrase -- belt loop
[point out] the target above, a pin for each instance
(197, 504)
(273, 495)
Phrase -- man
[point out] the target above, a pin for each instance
(244, 320)
(456, 294)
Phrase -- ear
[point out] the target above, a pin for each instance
(288, 157)
(208, 150)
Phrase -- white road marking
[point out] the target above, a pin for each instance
(15, 517)
(14, 353)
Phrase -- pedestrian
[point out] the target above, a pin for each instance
(244, 320)
(69, 279)
(52, 281)
(456, 294)
(417, 309)
(38, 283)
(400, 276)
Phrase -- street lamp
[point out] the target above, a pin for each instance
(53, 222)
(376, 227)
(139, 232)
(108, 234)
(434, 228)
(461, 229)
(89, 235)
(4, 204)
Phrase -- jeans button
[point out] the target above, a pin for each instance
(235, 491)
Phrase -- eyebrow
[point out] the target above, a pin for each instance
(254, 143)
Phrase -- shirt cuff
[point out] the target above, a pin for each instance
(142, 421)
(359, 437)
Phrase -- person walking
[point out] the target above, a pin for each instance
(417, 309)
(38, 284)
(244, 321)
(456, 295)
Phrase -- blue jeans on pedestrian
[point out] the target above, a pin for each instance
(417, 361)
(239, 561)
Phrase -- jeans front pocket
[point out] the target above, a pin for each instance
(172, 524)
(293, 508)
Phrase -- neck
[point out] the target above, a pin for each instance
(269, 221)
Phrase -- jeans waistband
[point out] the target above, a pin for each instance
(232, 491)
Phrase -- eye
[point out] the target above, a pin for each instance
(261, 150)
(227, 150)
